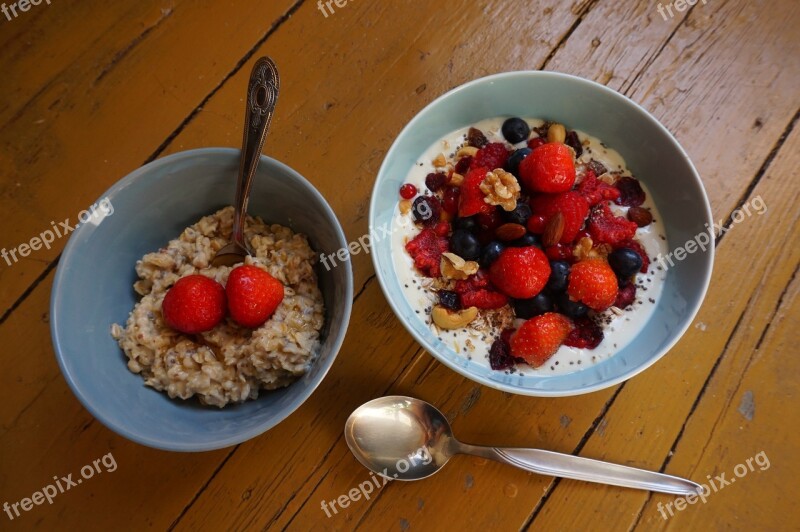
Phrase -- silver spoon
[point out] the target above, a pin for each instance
(262, 94)
(408, 439)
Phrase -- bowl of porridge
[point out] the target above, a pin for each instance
(161, 227)
(538, 224)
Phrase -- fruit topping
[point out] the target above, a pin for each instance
(194, 304)
(253, 295)
(520, 273)
(593, 283)
(515, 130)
(540, 337)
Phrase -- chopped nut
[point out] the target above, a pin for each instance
(608, 179)
(456, 179)
(585, 249)
(501, 188)
(446, 319)
(466, 151)
(556, 133)
(510, 231)
(456, 268)
(440, 161)
(553, 230)
(405, 206)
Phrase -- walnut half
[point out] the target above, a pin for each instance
(501, 188)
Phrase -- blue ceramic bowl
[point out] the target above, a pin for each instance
(93, 289)
(652, 154)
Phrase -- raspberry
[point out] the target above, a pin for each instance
(408, 191)
(500, 356)
(484, 299)
(595, 190)
(570, 204)
(491, 156)
(253, 295)
(474, 282)
(626, 295)
(593, 283)
(631, 193)
(520, 273)
(549, 168)
(606, 228)
(539, 338)
(194, 304)
(426, 249)
(450, 200)
(435, 181)
(471, 200)
(639, 249)
(462, 166)
(586, 335)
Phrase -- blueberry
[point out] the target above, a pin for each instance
(465, 245)
(449, 300)
(426, 209)
(559, 275)
(512, 164)
(519, 215)
(490, 253)
(528, 308)
(516, 130)
(528, 239)
(625, 262)
(468, 224)
(571, 309)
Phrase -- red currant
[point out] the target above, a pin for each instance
(408, 191)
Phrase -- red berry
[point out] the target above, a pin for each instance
(474, 282)
(520, 272)
(435, 181)
(606, 228)
(626, 295)
(536, 224)
(426, 249)
(586, 335)
(536, 142)
(450, 200)
(593, 283)
(540, 337)
(484, 299)
(595, 190)
(559, 252)
(490, 220)
(549, 168)
(253, 295)
(570, 204)
(499, 356)
(462, 166)
(442, 228)
(408, 191)
(631, 193)
(471, 200)
(491, 156)
(194, 304)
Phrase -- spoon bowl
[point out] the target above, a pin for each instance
(404, 438)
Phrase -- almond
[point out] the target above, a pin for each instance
(553, 230)
(509, 232)
(641, 216)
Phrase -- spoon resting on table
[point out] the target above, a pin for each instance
(408, 439)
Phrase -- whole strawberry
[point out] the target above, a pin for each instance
(540, 337)
(194, 304)
(253, 295)
(549, 168)
(520, 273)
(593, 283)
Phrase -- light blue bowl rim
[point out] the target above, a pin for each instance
(226, 441)
(499, 385)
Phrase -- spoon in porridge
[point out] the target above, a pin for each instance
(262, 95)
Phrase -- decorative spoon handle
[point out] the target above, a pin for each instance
(262, 95)
(578, 468)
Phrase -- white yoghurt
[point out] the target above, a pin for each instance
(619, 330)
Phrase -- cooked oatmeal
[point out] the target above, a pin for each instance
(229, 363)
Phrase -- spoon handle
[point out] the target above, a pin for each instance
(576, 467)
(262, 95)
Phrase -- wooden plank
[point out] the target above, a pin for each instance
(109, 92)
(649, 413)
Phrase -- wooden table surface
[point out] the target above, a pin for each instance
(91, 90)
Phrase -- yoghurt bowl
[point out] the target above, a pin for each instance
(650, 152)
(93, 290)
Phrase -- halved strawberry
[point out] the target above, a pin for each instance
(540, 337)
(471, 200)
(570, 204)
